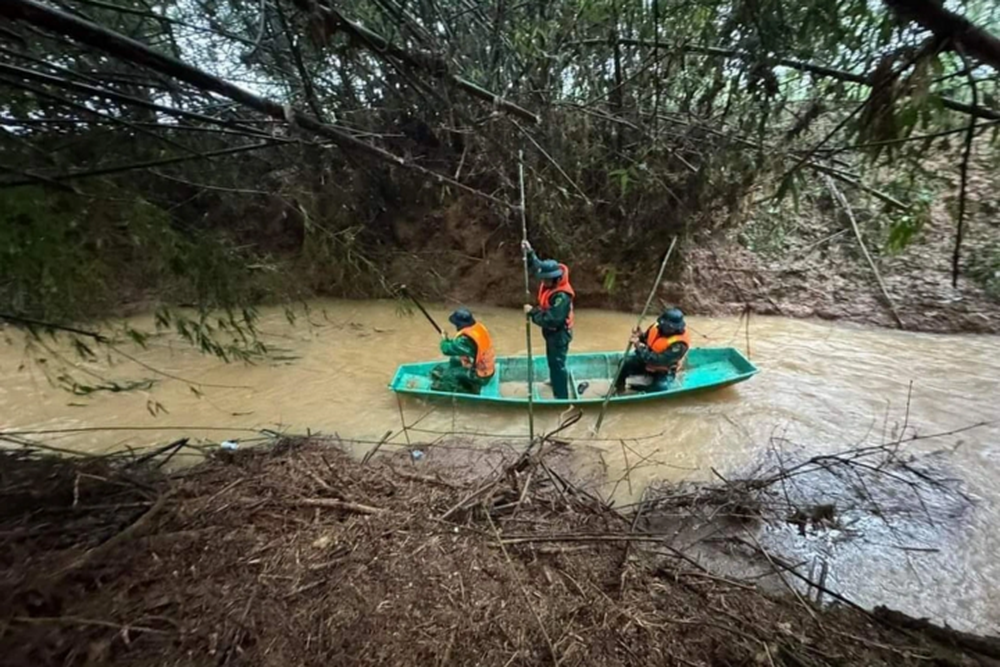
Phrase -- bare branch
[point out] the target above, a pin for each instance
(433, 66)
(134, 166)
(128, 49)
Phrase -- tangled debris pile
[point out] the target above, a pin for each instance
(299, 554)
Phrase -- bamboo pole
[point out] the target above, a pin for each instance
(527, 293)
(628, 348)
(844, 204)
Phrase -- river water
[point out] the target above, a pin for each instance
(822, 388)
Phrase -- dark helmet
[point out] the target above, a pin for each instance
(462, 318)
(671, 321)
(549, 269)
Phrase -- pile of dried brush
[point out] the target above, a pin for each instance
(298, 554)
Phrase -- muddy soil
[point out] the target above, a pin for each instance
(299, 554)
(815, 268)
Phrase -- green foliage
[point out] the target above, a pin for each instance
(69, 383)
(48, 263)
(904, 228)
(983, 266)
(610, 279)
(624, 178)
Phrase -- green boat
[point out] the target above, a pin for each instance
(590, 375)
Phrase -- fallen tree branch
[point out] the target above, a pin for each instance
(839, 197)
(985, 645)
(132, 531)
(850, 180)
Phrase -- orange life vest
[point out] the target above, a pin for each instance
(658, 343)
(545, 294)
(485, 361)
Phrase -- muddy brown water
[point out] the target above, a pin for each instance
(822, 388)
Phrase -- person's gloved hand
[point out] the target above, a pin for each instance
(525, 246)
(528, 308)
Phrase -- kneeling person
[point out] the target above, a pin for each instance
(659, 352)
(472, 358)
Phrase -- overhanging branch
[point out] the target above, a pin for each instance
(799, 65)
(382, 47)
(25, 73)
(134, 166)
(933, 16)
(122, 47)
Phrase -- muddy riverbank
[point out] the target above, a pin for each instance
(816, 270)
(299, 554)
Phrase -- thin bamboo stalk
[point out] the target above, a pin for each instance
(527, 293)
(628, 348)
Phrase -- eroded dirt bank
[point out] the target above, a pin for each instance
(797, 263)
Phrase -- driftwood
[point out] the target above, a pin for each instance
(542, 572)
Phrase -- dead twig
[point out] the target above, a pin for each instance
(524, 592)
(132, 531)
(76, 620)
(330, 503)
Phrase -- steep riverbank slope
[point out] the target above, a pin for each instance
(799, 262)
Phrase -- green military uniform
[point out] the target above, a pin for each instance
(555, 332)
(636, 363)
(665, 362)
(452, 376)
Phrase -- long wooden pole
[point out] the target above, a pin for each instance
(405, 292)
(628, 348)
(527, 293)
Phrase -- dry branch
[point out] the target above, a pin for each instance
(330, 503)
(134, 530)
(845, 205)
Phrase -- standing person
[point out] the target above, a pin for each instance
(659, 352)
(472, 357)
(554, 314)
